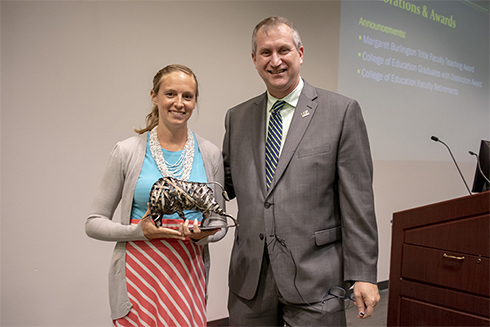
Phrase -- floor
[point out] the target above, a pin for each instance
(378, 319)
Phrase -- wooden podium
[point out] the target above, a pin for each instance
(439, 273)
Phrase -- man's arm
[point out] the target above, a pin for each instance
(360, 242)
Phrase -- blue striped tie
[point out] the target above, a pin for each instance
(273, 142)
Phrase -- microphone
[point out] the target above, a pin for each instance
(436, 139)
(479, 166)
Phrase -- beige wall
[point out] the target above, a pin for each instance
(75, 79)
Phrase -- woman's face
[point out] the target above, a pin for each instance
(176, 99)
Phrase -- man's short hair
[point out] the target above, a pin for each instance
(271, 22)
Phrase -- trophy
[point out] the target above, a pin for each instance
(169, 195)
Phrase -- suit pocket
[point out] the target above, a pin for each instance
(327, 236)
(314, 151)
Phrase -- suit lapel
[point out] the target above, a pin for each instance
(258, 116)
(303, 114)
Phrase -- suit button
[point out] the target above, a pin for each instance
(267, 205)
(261, 236)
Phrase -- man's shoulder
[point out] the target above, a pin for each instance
(313, 91)
(250, 102)
(308, 88)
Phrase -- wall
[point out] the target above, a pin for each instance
(75, 79)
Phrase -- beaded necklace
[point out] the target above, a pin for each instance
(181, 169)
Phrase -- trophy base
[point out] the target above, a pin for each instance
(214, 224)
(213, 227)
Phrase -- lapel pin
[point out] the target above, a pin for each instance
(305, 113)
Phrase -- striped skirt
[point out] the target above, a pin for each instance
(165, 282)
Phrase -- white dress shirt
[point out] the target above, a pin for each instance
(287, 111)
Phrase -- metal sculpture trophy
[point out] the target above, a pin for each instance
(169, 195)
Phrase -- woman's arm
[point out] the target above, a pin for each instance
(99, 224)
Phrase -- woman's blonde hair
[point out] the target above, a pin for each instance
(152, 117)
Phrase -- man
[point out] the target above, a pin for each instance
(306, 219)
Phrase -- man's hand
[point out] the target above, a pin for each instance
(367, 297)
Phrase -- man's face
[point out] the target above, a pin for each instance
(277, 60)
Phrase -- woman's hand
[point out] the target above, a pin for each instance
(195, 233)
(151, 231)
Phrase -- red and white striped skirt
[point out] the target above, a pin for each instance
(165, 282)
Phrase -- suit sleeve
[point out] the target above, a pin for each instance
(356, 199)
(226, 158)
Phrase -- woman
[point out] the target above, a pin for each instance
(158, 274)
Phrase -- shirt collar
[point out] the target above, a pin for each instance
(291, 99)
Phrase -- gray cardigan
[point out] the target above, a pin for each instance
(117, 186)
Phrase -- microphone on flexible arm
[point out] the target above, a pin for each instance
(479, 166)
(436, 139)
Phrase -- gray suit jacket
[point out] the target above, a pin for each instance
(317, 220)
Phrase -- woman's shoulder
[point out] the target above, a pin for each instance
(129, 146)
(133, 141)
(208, 149)
(206, 144)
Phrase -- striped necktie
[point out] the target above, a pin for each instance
(273, 142)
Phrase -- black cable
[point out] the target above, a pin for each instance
(283, 243)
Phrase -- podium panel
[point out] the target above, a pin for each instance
(440, 264)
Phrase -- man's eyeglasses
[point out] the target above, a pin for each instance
(339, 293)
